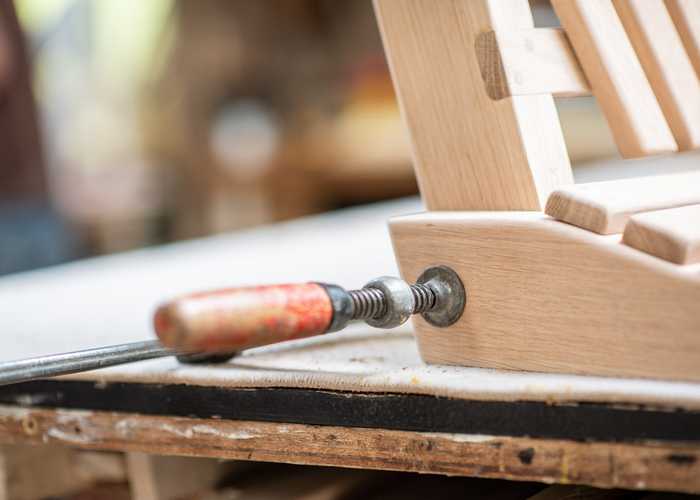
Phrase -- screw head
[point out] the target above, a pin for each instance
(450, 292)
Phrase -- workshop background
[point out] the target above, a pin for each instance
(128, 124)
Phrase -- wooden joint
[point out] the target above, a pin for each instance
(529, 62)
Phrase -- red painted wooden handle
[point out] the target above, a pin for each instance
(240, 318)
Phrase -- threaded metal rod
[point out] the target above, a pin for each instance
(367, 303)
(370, 302)
(424, 298)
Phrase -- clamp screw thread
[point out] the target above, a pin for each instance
(424, 298)
(371, 303)
(367, 303)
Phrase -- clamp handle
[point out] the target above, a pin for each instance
(240, 318)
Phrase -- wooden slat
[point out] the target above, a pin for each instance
(616, 77)
(528, 62)
(605, 207)
(470, 152)
(666, 64)
(672, 234)
(636, 465)
(686, 16)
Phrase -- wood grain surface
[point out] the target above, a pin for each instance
(616, 76)
(548, 296)
(470, 152)
(605, 207)
(666, 65)
(636, 466)
(686, 17)
(673, 234)
(527, 62)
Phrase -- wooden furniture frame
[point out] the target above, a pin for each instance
(564, 290)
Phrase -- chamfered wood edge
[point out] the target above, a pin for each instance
(405, 412)
(647, 465)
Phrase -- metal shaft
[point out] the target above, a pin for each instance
(12, 372)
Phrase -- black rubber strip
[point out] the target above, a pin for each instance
(410, 412)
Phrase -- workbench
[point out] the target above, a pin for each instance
(361, 399)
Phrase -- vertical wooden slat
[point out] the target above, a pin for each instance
(686, 16)
(470, 152)
(616, 77)
(666, 64)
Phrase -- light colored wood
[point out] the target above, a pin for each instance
(605, 207)
(673, 234)
(616, 77)
(667, 66)
(548, 296)
(154, 477)
(527, 62)
(608, 465)
(469, 151)
(686, 17)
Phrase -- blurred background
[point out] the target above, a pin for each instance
(126, 124)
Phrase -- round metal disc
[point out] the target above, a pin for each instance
(451, 295)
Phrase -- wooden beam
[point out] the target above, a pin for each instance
(653, 465)
(469, 151)
(616, 76)
(529, 62)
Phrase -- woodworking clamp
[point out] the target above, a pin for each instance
(211, 327)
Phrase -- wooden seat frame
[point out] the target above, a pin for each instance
(475, 81)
